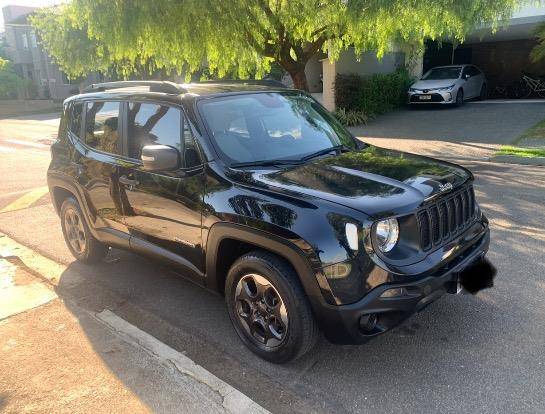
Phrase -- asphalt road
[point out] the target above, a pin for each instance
(462, 354)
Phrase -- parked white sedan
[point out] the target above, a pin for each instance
(446, 85)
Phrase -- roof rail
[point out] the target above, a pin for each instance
(154, 86)
(263, 82)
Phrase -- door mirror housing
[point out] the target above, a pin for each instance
(160, 158)
(467, 76)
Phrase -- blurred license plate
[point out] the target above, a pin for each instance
(425, 97)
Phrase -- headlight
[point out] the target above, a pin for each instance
(446, 88)
(387, 234)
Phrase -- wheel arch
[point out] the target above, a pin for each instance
(60, 189)
(226, 242)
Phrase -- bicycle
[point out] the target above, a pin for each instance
(528, 85)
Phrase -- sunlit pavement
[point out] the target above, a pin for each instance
(462, 354)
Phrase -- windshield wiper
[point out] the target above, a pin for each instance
(264, 163)
(325, 151)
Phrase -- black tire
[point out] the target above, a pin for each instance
(484, 94)
(86, 248)
(459, 98)
(301, 332)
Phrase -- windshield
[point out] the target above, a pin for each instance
(271, 126)
(443, 73)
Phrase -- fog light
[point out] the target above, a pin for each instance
(368, 322)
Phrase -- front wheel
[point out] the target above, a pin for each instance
(460, 98)
(484, 94)
(268, 307)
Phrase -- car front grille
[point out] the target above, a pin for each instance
(447, 217)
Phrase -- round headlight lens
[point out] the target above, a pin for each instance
(387, 234)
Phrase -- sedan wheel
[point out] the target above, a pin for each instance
(460, 98)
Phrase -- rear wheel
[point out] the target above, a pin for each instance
(83, 246)
(460, 97)
(268, 307)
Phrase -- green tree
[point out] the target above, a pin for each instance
(538, 52)
(246, 36)
(10, 82)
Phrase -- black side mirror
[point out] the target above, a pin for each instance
(466, 76)
(160, 158)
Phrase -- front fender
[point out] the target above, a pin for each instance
(298, 256)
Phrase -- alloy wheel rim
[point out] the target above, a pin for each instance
(75, 230)
(261, 310)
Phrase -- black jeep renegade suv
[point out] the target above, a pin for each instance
(255, 191)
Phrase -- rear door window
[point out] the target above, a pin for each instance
(102, 126)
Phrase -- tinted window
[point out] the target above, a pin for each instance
(101, 126)
(191, 155)
(271, 126)
(75, 119)
(473, 71)
(443, 73)
(152, 124)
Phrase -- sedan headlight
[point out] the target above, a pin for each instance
(446, 88)
(387, 234)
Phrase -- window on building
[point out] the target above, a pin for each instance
(101, 126)
(150, 124)
(33, 41)
(24, 38)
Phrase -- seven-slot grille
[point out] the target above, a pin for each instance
(446, 218)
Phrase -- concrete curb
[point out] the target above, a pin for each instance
(514, 159)
(232, 400)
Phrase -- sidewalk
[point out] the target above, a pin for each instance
(58, 357)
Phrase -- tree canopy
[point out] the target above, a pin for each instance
(245, 37)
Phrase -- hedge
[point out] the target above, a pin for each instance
(373, 95)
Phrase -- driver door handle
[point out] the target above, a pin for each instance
(127, 181)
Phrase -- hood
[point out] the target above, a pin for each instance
(375, 181)
(433, 84)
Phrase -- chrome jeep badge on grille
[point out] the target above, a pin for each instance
(445, 187)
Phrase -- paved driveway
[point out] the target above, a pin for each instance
(473, 131)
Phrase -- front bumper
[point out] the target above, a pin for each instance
(341, 324)
(436, 97)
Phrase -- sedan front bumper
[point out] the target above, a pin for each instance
(431, 97)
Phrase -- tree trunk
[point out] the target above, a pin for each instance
(297, 73)
(299, 78)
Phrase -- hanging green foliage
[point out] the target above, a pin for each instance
(245, 37)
